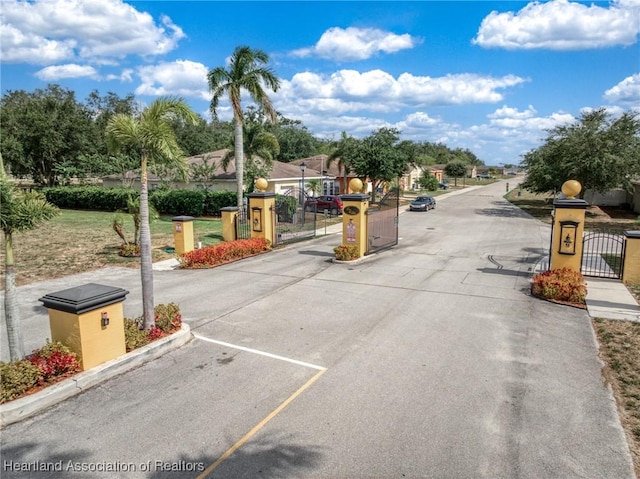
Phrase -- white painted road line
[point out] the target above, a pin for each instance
(261, 353)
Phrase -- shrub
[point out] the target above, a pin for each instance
(346, 252)
(89, 197)
(17, 378)
(129, 250)
(215, 200)
(53, 360)
(44, 365)
(560, 285)
(178, 202)
(168, 317)
(134, 335)
(214, 255)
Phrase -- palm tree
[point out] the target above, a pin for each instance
(247, 70)
(154, 138)
(342, 152)
(261, 147)
(19, 211)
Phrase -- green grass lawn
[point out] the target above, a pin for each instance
(77, 241)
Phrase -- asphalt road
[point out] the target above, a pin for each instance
(427, 360)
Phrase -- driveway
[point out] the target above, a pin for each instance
(427, 360)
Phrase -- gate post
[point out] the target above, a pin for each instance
(354, 218)
(568, 229)
(262, 212)
(631, 267)
(229, 217)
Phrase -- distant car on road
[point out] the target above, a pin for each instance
(484, 176)
(444, 185)
(423, 203)
(332, 203)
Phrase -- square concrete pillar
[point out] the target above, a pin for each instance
(89, 320)
(183, 234)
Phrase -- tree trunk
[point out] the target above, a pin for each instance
(146, 262)
(12, 318)
(239, 157)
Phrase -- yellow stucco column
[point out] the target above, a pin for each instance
(261, 212)
(631, 268)
(229, 216)
(568, 229)
(183, 234)
(354, 218)
(89, 320)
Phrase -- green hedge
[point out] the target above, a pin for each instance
(168, 202)
(178, 202)
(89, 197)
(215, 200)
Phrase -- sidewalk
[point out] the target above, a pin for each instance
(610, 299)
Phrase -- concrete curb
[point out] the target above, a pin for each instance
(33, 404)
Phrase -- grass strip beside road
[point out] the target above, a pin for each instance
(620, 351)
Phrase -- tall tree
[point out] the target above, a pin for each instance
(43, 130)
(456, 169)
(343, 152)
(152, 137)
(379, 158)
(600, 151)
(294, 139)
(248, 70)
(19, 211)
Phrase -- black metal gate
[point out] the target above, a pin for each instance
(603, 254)
(243, 225)
(382, 223)
(292, 222)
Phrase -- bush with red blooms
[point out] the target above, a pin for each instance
(564, 284)
(221, 253)
(46, 365)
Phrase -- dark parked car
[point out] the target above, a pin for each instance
(444, 185)
(423, 203)
(333, 203)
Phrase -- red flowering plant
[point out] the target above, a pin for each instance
(221, 253)
(54, 360)
(564, 284)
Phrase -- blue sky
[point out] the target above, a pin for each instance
(490, 76)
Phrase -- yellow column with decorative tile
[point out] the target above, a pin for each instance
(568, 229)
(354, 217)
(89, 320)
(261, 212)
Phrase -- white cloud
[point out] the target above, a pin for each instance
(562, 25)
(48, 31)
(353, 44)
(348, 91)
(125, 76)
(18, 46)
(627, 92)
(183, 77)
(70, 70)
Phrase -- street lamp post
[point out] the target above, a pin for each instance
(303, 166)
